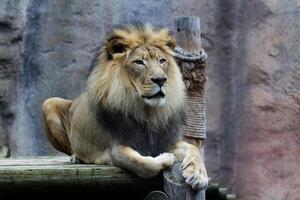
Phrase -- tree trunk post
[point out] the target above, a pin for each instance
(188, 37)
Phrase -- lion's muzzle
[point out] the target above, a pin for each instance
(157, 96)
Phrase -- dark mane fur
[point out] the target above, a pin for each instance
(140, 135)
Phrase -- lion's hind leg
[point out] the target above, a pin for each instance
(55, 113)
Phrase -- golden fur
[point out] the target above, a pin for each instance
(131, 114)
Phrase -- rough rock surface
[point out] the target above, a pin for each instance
(11, 41)
(253, 98)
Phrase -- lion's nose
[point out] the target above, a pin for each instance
(159, 81)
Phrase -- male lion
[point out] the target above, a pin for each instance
(132, 112)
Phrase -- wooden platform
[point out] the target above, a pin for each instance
(55, 177)
(58, 171)
(28, 175)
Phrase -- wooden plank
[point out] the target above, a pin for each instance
(46, 175)
(42, 160)
(43, 172)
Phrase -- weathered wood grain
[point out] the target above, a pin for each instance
(176, 188)
(188, 37)
(59, 172)
(26, 176)
(188, 33)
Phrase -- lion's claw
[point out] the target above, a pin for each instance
(196, 180)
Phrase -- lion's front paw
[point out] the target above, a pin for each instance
(155, 165)
(194, 172)
(166, 159)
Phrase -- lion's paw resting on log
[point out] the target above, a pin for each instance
(131, 114)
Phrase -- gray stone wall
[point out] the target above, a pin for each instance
(12, 24)
(253, 98)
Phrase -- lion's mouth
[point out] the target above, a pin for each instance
(159, 94)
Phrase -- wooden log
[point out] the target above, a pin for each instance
(188, 33)
(231, 197)
(223, 192)
(176, 188)
(157, 195)
(58, 172)
(49, 175)
(188, 37)
(4, 151)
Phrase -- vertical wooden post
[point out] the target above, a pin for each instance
(4, 151)
(188, 37)
(176, 188)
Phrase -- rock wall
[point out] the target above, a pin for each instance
(253, 98)
(268, 135)
(11, 41)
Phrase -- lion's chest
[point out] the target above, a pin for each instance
(141, 137)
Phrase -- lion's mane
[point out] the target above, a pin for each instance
(118, 108)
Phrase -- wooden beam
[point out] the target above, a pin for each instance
(188, 37)
(59, 177)
(188, 33)
(176, 188)
(59, 172)
(4, 151)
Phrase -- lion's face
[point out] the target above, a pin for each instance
(147, 70)
(136, 71)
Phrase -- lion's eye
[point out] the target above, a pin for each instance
(139, 62)
(162, 61)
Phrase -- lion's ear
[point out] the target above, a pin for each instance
(171, 42)
(115, 45)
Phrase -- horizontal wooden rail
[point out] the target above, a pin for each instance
(50, 174)
(59, 172)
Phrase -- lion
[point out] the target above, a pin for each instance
(132, 112)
